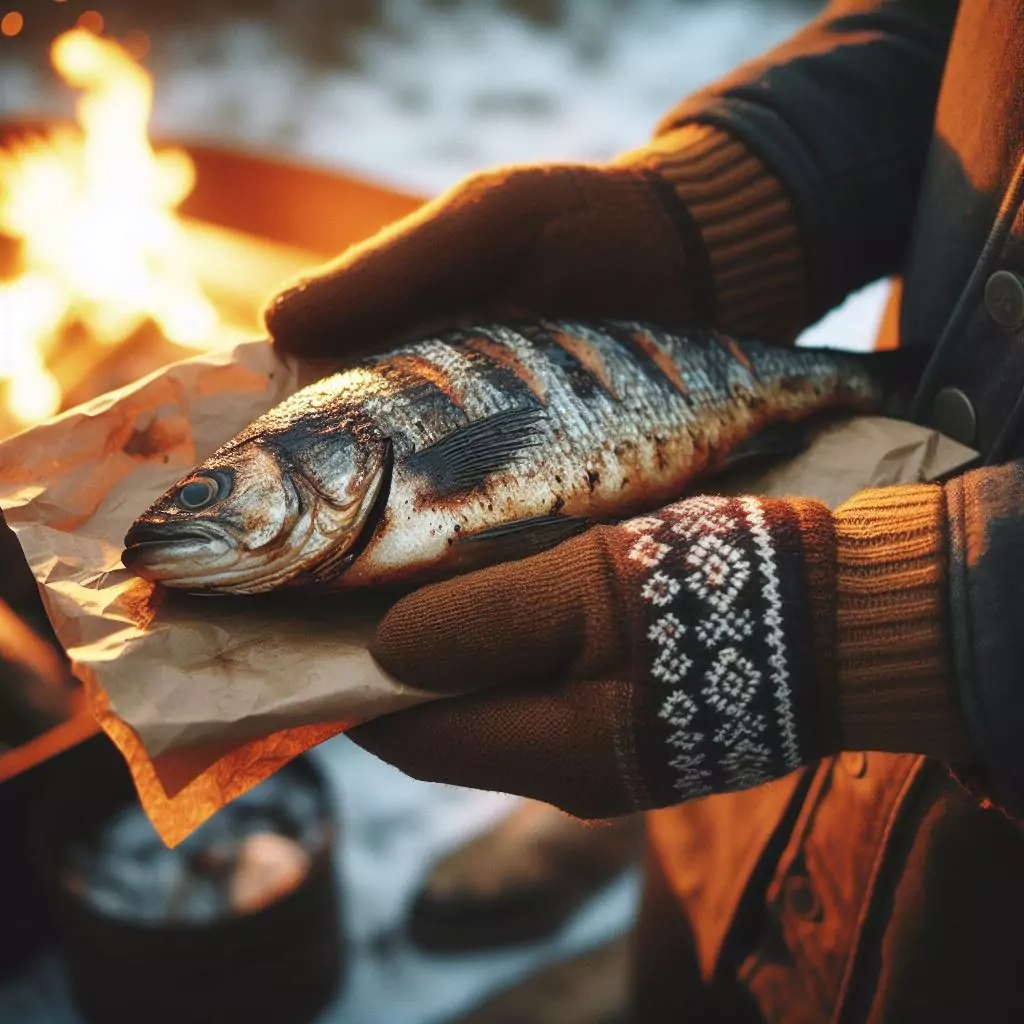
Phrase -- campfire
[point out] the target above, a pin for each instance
(102, 279)
(120, 254)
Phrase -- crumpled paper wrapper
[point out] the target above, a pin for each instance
(207, 697)
(845, 455)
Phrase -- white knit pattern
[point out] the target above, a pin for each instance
(715, 696)
(776, 638)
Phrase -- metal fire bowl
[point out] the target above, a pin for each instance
(279, 201)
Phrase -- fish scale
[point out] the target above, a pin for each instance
(578, 420)
(483, 444)
(475, 393)
(582, 423)
(585, 432)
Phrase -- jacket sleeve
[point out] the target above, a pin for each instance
(986, 591)
(842, 114)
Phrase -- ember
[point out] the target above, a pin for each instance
(12, 23)
(101, 249)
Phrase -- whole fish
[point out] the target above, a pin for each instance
(478, 446)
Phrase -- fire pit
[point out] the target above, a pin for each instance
(119, 255)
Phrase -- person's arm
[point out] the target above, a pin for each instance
(986, 616)
(842, 114)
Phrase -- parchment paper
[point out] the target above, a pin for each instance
(207, 697)
(848, 454)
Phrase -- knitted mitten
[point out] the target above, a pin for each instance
(691, 230)
(712, 646)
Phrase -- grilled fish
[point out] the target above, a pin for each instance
(475, 447)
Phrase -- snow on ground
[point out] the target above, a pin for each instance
(430, 93)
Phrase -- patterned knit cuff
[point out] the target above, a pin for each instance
(748, 225)
(728, 636)
(895, 684)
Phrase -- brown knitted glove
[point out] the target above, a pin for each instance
(713, 646)
(690, 230)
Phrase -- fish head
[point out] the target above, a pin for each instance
(258, 514)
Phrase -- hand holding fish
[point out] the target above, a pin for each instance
(641, 662)
(671, 653)
(562, 240)
(621, 240)
(687, 652)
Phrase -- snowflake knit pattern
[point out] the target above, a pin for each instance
(725, 633)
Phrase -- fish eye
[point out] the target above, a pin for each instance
(201, 491)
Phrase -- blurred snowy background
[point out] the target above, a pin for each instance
(418, 93)
(415, 93)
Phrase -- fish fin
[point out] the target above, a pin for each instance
(518, 539)
(777, 440)
(464, 458)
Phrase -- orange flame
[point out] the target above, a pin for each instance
(100, 242)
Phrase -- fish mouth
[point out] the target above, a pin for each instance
(150, 548)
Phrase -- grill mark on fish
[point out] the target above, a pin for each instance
(499, 377)
(587, 355)
(482, 370)
(637, 345)
(416, 410)
(579, 377)
(662, 359)
(420, 369)
(580, 421)
(620, 367)
(478, 393)
(500, 355)
(733, 349)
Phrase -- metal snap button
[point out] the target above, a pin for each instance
(802, 899)
(855, 762)
(1004, 299)
(953, 415)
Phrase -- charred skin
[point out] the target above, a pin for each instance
(631, 417)
(626, 417)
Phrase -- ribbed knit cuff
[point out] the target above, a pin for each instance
(748, 225)
(894, 679)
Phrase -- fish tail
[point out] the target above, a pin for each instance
(898, 372)
(890, 376)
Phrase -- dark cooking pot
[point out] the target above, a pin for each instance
(281, 963)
